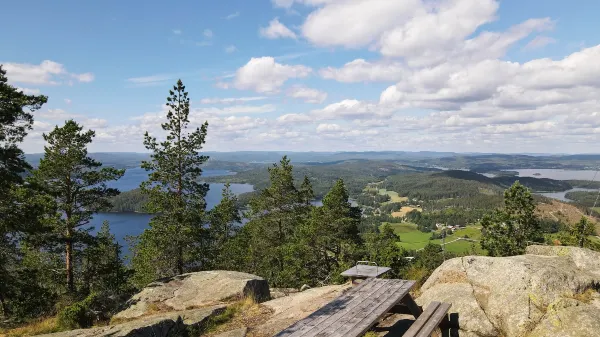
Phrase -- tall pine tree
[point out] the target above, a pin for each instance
(78, 185)
(173, 242)
(16, 214)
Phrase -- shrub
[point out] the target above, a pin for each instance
(77, 315)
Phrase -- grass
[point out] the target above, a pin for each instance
(244, 313)
(412, 239)
(402, 212)
(394, 197)
(37, 327)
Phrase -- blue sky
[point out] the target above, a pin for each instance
(458, 75)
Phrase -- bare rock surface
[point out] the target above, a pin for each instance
(157, 325)
(195, 290)
(537, 294)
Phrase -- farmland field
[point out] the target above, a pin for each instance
(394, 197)
(402, 212)
(413, 239)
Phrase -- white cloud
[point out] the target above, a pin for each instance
(360, 70)
(308, 95)
(232, 15)
(230, 49)
(233, 100)
(152, 79)
(264, 75)
(352, 109)
(294, 119)
(28, 91)
(208, 33)
(328, 128)
(539, 42)
(236, 109)
(177, 31)
(356, 23)
(47, 72)
(55, 114)
(276, 30)
(67, 101)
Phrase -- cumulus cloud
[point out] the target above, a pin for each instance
(47, 73)
(360, 70)
(352, 109)
(264, 75)
(231, 100)
(276, 30)
(308, 95)
(294, 119)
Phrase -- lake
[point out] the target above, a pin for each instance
(557, 174)
(123, 224)
(561, 195)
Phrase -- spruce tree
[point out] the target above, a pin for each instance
(332, 233)
(276, 214)
(77, 183)
(172, 244)
(509, 230)
(224, 221)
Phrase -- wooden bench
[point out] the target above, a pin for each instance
(435, 315)
(352, 314)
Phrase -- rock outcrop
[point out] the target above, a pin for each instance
(550, 291)
(194, 290)
(158, 325)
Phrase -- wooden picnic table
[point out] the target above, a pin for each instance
(353, 313)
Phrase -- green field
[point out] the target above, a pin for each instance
(394, 197)
(412, 239)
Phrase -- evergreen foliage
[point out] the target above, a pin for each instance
(509, 230)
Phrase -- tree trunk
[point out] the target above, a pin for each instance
(69, 261)
(3, 309)
(179, 260)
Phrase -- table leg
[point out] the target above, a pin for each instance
(412, 306)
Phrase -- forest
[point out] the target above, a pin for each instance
(54, 267)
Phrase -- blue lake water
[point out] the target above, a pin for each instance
(561, 195)
(124, 224)
(558, 174)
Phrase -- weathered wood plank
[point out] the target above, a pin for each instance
(334, 309)
(435, 320)
(422, 320)
(363, 270)
(334, 322)
(358, 325)
(353, 313)
(324, 312)
(359, 310)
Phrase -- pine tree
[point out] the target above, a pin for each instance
(78, 185)
(507, 231)
(172, 244)
(224, 221)
(16, 215)
(332, 232)
(275, 216)
(103, 269)
(582, 230)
